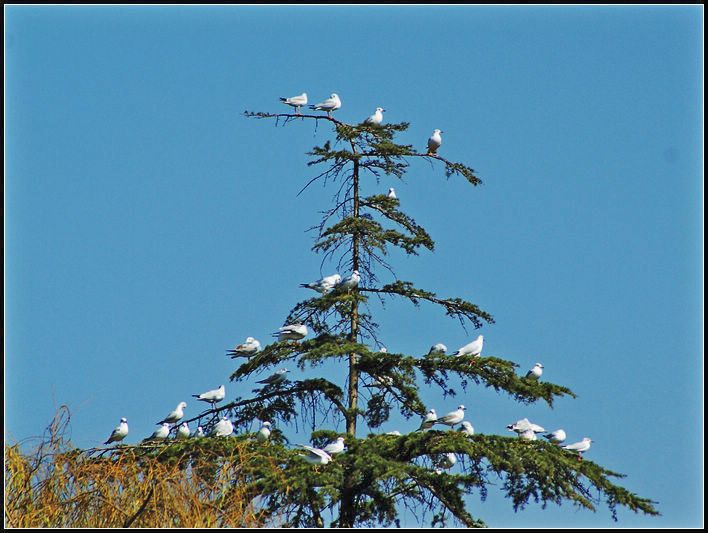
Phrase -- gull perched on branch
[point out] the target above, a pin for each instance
(160, 433)
(246, 349)
(276, 378)
(349, 283)
(223, 428)
(120, 432)
(535, 372)
(377, 118)
(428, 420)
(523, 425)
(176, 415)
(453, 418)
(335, 447)
(580, 447)
(323, 285)
(315, 455)
(212, 396)
(467, 428)
(293, 332)
(183, 431)
(263, 433)
(473, 348)
(296, 101)
(438, 349)
(330, 104)
(556, 437)
(434, 142)
(199, 433)
(392, 193)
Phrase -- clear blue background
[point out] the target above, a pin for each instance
(150, 226)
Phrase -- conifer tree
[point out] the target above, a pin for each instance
(380, 474)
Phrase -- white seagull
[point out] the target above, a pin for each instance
(212, 396)
(199, 432)
(535, 372)
(264, 432)
(276, 378)
(323, 285)
(350, 282)
(246, 349)
(467, 428)
(296, 101)
(330, 104)
(434, 142)
(223, 428)
(392, 193)
(335, 447)
(580, 447)
(473, 348)
(438, 349)
(523, 425)
(176, 415)
(316, 456)
(376, 118)
(556, 437)
(293, 332)
(428, 420)
(119, 433)
(453, 418)
(183, 431)
(160, 433)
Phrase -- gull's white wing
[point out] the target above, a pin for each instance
(316, 452)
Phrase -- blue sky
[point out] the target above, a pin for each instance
(149, 226)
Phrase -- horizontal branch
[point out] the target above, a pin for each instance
(311, 385)
(453, 306)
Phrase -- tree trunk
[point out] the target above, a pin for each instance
(346, 510)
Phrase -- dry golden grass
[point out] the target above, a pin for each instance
(196, 483)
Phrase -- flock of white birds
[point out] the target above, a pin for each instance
(333, 103)
(525, 429)
(295, 332)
